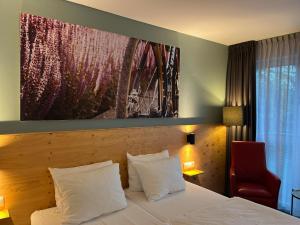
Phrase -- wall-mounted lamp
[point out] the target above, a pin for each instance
(233, 116)
(190, 138)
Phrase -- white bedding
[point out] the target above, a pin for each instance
(178, 203)
(194, 206)
(235, 211)
(132, 215)
(199, 206)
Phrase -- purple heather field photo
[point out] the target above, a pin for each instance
(71, 72)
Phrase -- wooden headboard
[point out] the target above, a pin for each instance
(24, 158)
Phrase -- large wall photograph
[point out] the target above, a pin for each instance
(74, 72)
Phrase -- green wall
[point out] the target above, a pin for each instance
(202, 78)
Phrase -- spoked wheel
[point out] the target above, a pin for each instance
(148, 87)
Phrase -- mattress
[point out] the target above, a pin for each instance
(178, 203)
(132, 215)
(199, 206)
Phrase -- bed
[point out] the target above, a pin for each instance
(194, 206)
(25, 158)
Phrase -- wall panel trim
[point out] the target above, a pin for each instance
(15, 127)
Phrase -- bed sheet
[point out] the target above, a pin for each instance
(199, 206)
(132, 215)
(174, 204)
(235, 211)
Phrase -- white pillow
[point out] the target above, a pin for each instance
(58, 172)
(160, 178)
(90, 194)
(134, 180)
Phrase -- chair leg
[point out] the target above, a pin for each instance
(292, 205)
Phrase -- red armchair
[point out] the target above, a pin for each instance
(249, 176)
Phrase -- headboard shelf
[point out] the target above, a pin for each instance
(12, 127)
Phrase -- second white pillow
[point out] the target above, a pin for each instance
(160, 178)
(134, 180)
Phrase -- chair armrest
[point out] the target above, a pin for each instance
(273, 183)
(232, 182)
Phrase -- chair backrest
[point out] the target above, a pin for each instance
(248, 160)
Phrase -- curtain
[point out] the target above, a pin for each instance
(278, 109)
(240, 87)
(241, 91)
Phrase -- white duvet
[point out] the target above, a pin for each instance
(199, 206)
(132, 215)
(194, 206)
(234, 211)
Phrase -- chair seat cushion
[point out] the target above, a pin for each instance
(253, 190)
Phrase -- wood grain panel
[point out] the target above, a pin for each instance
(24, 158)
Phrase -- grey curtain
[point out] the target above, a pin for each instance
(241, 87)
(241, 91)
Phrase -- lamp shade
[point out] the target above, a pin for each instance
(233, 116)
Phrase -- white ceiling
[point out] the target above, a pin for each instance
(223, 21)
